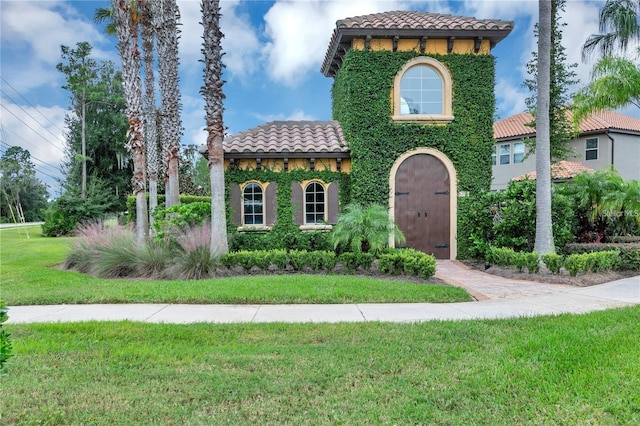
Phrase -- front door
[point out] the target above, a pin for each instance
(422, 204)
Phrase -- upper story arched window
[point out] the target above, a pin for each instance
(422, 92)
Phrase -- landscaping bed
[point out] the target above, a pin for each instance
(580, 280)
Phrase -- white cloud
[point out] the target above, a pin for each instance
(240, 42)
(44, 138)
(44, 26)
(510, 98)
(299, 33)
(297, 115)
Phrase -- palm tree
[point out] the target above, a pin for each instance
(619, 26)
(213, 96)
(166, 15)
(365, 229)
(544, 230)
(126, 24)
(615, 83)
(150, 128)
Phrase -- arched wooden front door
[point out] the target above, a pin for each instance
(422, 204)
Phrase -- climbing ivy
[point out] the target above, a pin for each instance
(284, 234)
(363, 106)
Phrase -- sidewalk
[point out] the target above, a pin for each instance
(497, 298)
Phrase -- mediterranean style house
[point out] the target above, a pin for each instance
(604, 139)
(413, 103)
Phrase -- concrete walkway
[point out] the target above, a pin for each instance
(496, 298)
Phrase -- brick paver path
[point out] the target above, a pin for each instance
(485, 286)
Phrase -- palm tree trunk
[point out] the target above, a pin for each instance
(150, 125)
(213, 96)
(130, 55)
(544, 230)
(166, 16)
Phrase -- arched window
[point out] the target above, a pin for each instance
(314, 203)
(422, 92)
(253, 204)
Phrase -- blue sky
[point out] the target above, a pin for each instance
(274, 50)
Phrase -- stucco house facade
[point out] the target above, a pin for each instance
(413, 103)
(604, 139)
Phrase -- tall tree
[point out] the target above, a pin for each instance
(166, 16)
(80, 69)
(615, 80)
(23, 197)
(619, 26)
(143, 7)
(107, 160)
(213, 96)
(150, 111)
(544, 231)
(562, 77)
(126, 22)
(615, 83)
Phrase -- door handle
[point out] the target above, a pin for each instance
(425, 214)
(418, 214)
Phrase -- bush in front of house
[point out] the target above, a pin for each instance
(409, 261)
(505, 256)
(508, 219)
(351, 262)
(553, 262)
(629, 253)
(597, 261)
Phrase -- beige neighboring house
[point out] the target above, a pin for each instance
(605, 138)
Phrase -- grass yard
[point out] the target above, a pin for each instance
(30, 277)
(570, 369)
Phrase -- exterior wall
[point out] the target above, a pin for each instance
(503, 173)
(363, 104)
(433, 46)
(626, 154)
(604, 151)
(625, 158)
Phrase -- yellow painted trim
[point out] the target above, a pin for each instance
(453, 206)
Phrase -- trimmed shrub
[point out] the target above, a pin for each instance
(553, 262)
(408, 261)
(629, 253)
(592, 262)
(532, 262)
(352, 261)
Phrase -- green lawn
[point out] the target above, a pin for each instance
(565, 370)
(29, 277)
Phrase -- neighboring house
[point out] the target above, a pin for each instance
(413, 102)
(605, 139)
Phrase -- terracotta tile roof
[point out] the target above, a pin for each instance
(422, 20)
(295, 137)
(561, 170)
(407, 24)
(515, 126)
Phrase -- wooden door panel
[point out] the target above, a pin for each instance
(421, 207)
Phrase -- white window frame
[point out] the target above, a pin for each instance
(501, 154)
(315, 203)
(443, 72)
(522, 153)
(587, 149)
(252, 184)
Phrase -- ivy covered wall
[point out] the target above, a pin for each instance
(284, 234)
(363, 106)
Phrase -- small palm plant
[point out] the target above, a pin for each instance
(365, 230)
